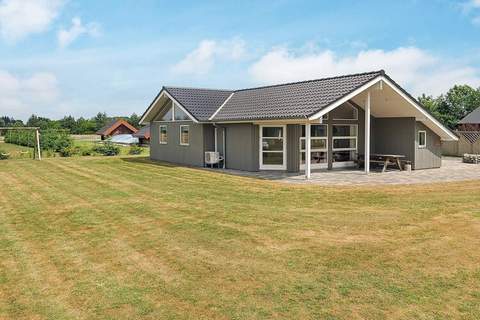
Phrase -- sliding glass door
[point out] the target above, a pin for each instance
(273, 153)
(345, 144)
(319, 146)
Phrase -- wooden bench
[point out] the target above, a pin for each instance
(385, 159)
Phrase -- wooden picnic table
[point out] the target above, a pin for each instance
(384, 159)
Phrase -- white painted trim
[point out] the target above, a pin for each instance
(260, 149)
(394, 87)
(314, 165)
(344, 163)
(308, 151)
(425, 113)
(180, 135)
(180, 106)
(344, 99)
(216, 138)
(160, 133)
(220, 108)
(423, 146)
(164, 92)
(367, 133)
(351, 106)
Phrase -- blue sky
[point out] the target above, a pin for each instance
(60, 57)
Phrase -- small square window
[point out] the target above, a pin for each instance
(163, 137)
(422, 139)
(184, 135)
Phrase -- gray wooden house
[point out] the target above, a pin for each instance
(319, 124)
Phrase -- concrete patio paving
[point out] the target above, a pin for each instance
(453, 169)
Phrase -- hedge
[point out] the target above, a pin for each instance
(50, 139)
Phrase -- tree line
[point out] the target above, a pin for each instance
(449, 108)
(74, 126)
(454, 105)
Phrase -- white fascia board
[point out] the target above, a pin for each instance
(220, 108)
(165, 93)
(421, 109)
(180, 106)
(397, 90)
(344, 99)
(142, 120)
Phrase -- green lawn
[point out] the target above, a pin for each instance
(124, 149)
(113, 238)
(16, 151)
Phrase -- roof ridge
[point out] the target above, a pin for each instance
(195, 88)
(313, 80)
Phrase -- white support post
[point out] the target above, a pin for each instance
(367, 133)
(224, 147)
(37, 138)
(216, 139)
(307, 151)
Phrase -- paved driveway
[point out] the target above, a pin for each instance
(452, 170)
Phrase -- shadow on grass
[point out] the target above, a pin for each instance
(260, 175)
(147, 160)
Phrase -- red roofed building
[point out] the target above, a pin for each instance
(115, 127)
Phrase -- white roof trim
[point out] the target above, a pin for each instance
(220, 108)
(338, 103)
(397, 90)
(164, 92)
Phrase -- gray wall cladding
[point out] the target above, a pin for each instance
(294, 131)
(242, 146)
(395, 136)
(173, 151)
(431, 155)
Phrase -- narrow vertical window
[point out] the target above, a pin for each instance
(422, 139)
(163, 138)
(184, 135)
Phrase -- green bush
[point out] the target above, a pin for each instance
(85, 151)
(135, 150)
(69, 151)
(51, 139)
(4, 155)
(107, 149)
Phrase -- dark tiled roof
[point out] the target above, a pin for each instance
(472, 117)
(201, 103)
(144, 132)
(291, 100)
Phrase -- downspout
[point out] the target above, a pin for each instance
(223, 142)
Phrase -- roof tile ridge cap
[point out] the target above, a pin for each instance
(195, 88)
(379, 72)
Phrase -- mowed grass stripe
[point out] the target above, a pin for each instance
(254, 250)
(120, 260)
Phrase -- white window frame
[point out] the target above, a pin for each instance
(314, 165)
(351, 106)
(160, 133)
(173, 115)
(260, 149)
(180, 135)
(344, 163)
(176, 105)
(422, 146)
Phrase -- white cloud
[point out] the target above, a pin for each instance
(20, 18)
(202, 59)
(471, 8)
(66, 37)
(416, 69)
(475, 3)
(23, 96)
